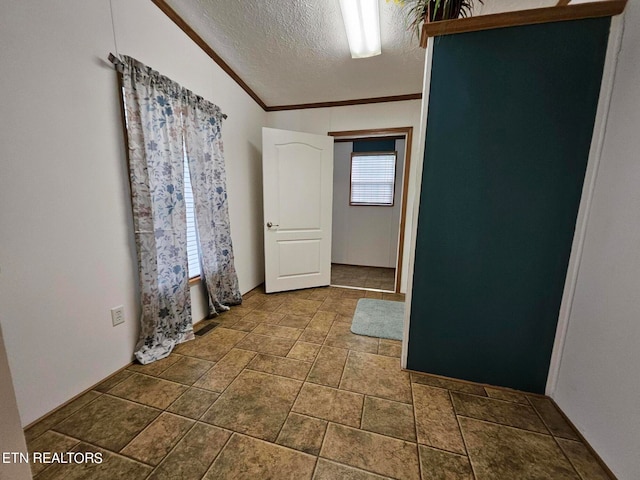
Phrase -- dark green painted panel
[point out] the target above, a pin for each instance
(374, 146)
(511, 115)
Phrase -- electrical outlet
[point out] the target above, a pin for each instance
(117, 315)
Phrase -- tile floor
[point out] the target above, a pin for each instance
(283, 390)
(363, 277)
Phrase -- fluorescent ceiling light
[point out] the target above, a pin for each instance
(362, 23)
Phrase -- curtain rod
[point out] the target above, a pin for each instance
(120, 68)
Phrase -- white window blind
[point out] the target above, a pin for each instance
(192, 239)
(373, 178)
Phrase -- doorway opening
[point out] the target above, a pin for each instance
(369, 207)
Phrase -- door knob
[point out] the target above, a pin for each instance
(269, 225)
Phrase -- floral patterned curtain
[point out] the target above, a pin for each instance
(155, 132)
(203, 145)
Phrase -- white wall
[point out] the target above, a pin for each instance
(500, 6)
(363, 235)
(598, 385)
(66, 244)
(360, 117)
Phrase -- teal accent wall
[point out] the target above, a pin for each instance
(374, 145)
(511, 116)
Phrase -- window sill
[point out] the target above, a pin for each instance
(194, 280)
(371, 204)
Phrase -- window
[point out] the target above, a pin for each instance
(192, 239)
(373, 178)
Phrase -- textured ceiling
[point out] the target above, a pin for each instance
(293, 52)
(296, 52)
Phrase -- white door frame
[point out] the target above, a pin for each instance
(417, 172)
(582, 220)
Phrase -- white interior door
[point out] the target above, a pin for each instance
(297, 176)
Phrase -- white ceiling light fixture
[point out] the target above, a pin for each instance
(362, 23)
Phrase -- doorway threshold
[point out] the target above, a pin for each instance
(362, 288)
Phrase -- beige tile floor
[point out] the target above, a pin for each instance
(283, 390)
(363, 277)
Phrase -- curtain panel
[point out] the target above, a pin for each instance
(154, 128)
(205, 154)
(166, 126)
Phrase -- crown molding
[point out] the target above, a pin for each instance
(197, 39)
(342, 103)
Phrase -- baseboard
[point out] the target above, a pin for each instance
(92, 387)
(584, 441)
(505, 389)
(479, 384)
